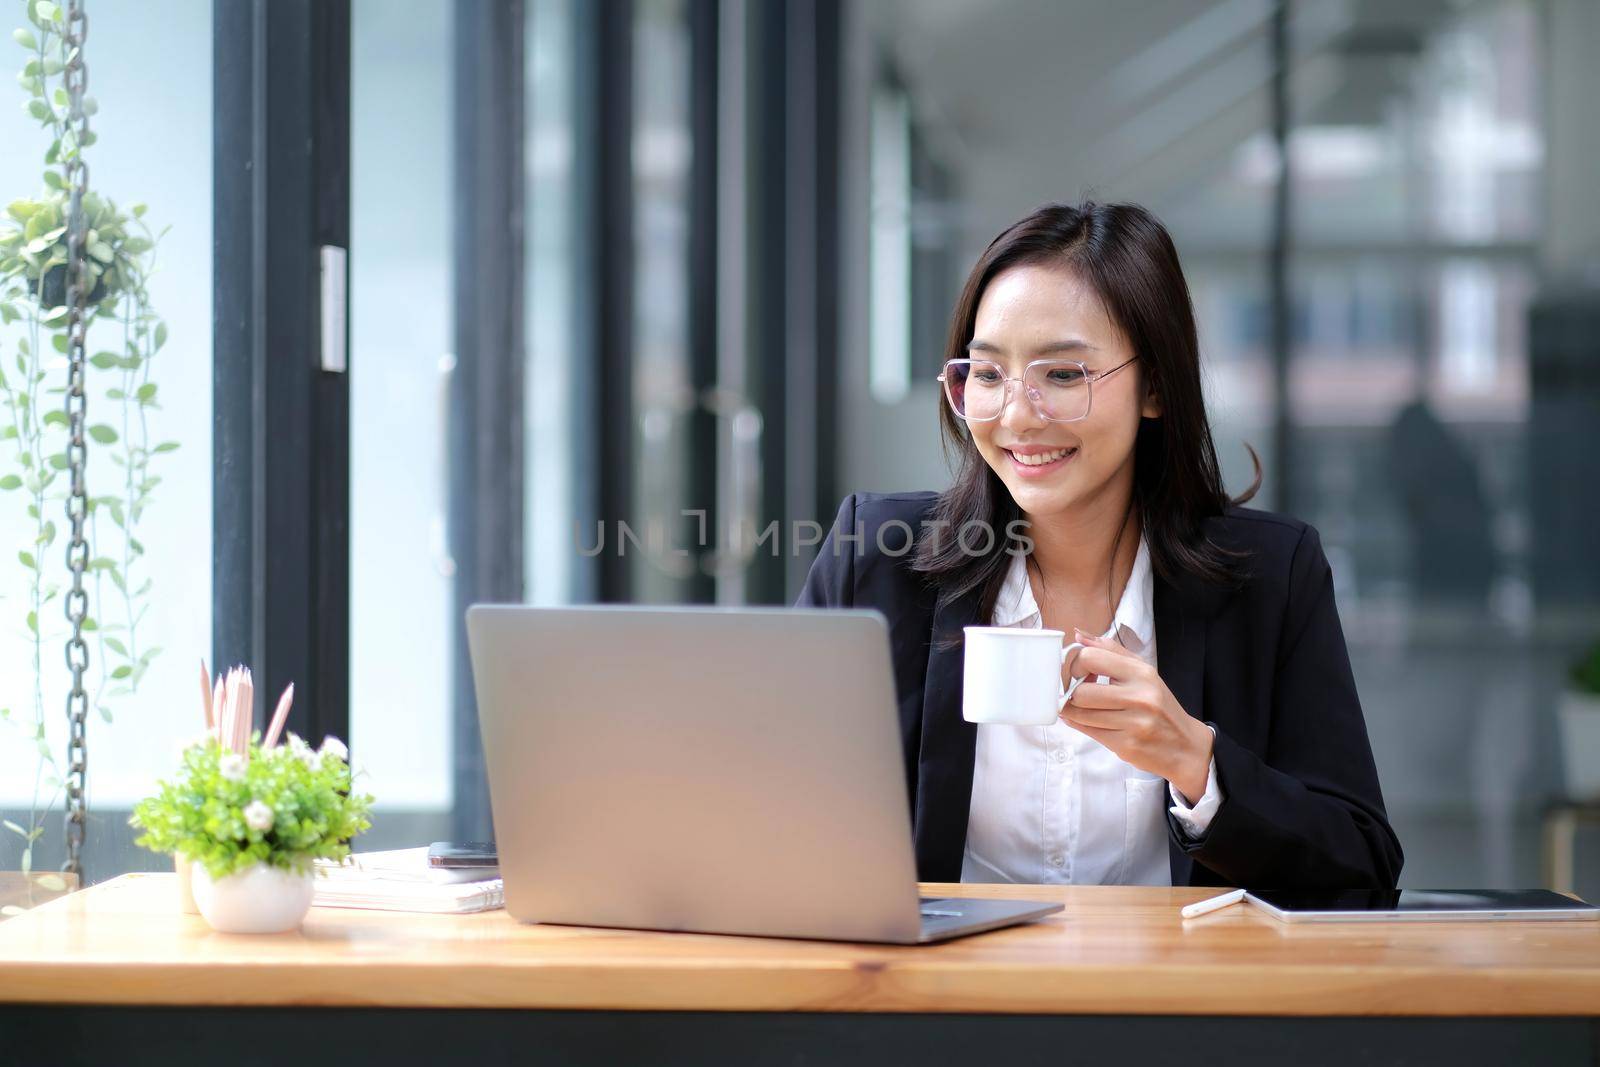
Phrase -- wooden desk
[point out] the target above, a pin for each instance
(1234, 982)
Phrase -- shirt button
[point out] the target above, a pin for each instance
(1058, 756)
(1057, 860)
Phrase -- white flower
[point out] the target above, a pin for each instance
(332, 746)
(304, 752)
(232, 767)
(258, 816)
(198, 741)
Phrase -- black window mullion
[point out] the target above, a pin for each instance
(828, 75)
(485, 437)
(768, 349)
(280, 571)
(603, 183)
(793, 253)
(704, 17)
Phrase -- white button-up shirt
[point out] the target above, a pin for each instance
(1051, 804)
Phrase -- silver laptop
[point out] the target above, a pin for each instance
(732, 771)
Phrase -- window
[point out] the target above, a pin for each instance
(149, 68)
(551, 397)
(401, 611)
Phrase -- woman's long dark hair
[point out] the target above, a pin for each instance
(1123, 253)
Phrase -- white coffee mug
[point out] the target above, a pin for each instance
(1013, 675)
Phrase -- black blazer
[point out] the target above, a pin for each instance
(1265, 663)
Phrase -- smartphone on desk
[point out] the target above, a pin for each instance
(455, 854)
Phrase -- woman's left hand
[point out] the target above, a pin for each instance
(1137, 717)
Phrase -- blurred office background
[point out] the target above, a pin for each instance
(632, 259)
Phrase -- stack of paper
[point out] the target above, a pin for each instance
(401, 880)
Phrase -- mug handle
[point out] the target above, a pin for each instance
(1067, 691)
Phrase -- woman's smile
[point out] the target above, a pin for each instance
(1038, 461)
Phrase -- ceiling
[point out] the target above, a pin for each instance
(1035, 100)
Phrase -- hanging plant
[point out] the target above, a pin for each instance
(120, 251)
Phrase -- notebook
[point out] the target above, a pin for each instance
(401, 880)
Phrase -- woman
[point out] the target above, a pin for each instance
(1226, 745)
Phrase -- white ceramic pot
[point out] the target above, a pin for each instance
(259, 900)
(1580, 744)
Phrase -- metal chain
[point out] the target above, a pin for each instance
(76, 172)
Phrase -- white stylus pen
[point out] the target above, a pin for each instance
(1203, 907)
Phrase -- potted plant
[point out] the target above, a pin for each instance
(1580, 727)
(252, 818)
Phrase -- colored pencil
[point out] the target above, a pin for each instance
(205, 694)
(279, 717)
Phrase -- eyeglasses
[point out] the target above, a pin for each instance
(1058, 389)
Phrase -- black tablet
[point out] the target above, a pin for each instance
(1424, 905)
(456, 854)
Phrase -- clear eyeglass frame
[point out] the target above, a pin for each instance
(1088, 380)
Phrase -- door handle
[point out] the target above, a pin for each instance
(439, 526)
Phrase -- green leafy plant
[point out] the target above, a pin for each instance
(284, 806)
(121, 258)
(1585, 674)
